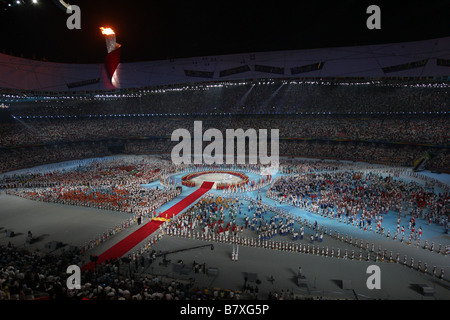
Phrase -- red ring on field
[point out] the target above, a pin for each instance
(187, 179)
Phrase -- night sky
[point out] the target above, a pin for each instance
(164, 29)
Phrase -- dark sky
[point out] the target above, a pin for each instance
(153, 30)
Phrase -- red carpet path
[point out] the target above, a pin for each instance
(122, 247)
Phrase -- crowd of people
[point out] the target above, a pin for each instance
(363, 198)
(331, 189)
(359, 199)
(28, 157)
(424, 129)
(390, 123)
(245, 97)
(243, 221)
(28, 275)
(350, 122)
(390, 154)
(110, 185)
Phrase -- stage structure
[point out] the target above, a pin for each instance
(425, 60)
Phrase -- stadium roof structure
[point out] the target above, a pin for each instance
(418, 59)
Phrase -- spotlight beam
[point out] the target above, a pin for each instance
(62, 5)
(241, 102)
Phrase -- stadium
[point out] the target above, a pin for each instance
(356, 175)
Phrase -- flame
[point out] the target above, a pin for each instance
(107, 31)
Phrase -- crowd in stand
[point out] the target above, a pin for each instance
(13, 159)
(442, 161)
(277, 96)
(313, 117)
(422, 129)
(391, 154)
(27, 275)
